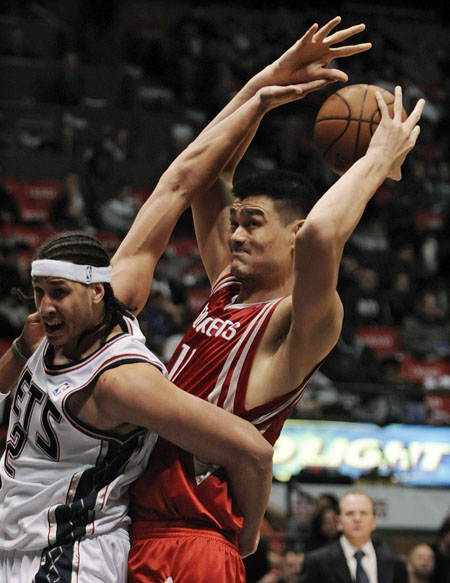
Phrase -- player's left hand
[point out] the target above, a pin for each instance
(394, 139)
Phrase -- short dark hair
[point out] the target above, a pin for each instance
(82, 248)
(292, 194)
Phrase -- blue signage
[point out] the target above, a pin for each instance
(412, 455)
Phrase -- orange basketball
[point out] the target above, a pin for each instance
(346, 122)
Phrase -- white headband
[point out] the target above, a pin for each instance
(73, 271)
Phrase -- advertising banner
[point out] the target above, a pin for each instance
(408, 454)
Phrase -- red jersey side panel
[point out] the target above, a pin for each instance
(213, 361)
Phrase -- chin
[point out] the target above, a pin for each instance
(234, 269)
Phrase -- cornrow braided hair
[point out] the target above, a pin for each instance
(84, 249)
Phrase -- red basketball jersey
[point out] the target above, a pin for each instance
(213, 361)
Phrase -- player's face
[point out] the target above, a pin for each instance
(261, 244)
(357, 519)
(66, 309)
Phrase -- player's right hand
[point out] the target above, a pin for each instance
(31, 335)
(309, 57)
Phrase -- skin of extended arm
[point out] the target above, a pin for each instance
(328, 226)
(10, 369)
(193, 424)
(305, 63)
(190, 175)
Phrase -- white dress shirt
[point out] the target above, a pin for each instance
(368, 562)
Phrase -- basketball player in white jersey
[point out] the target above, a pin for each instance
(78, 432)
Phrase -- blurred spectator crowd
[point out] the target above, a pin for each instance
(285, 541)
(99, 97)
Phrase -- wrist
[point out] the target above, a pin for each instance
(19, 351)
(378, 160)
(254, 84)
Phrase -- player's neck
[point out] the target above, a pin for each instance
(85, 345)
(76, 351)
(254, 291)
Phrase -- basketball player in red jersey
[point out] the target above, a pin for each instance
(272, 317)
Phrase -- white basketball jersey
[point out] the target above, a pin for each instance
(62, 480)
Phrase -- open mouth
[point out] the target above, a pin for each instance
(53, 327)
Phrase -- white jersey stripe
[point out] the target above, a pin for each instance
(231, 396)
(286, 405)
(182, 356)
(223, 283)
(215, 393)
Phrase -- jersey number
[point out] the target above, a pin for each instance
(186, 353)
(28, 396)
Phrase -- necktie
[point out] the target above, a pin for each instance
(361, 575)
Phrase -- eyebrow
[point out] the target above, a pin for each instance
(58, 281)
(247, 211)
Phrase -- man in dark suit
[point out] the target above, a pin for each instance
(353, 558)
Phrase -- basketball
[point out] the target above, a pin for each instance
(346, 122)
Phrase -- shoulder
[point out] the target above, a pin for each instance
(323, 564)
(130, 345)
(333, 549)
(393, 564)
(388, 555)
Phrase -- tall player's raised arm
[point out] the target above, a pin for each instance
(305, 63)
(306, 60)
(192, 174)
(319, 245)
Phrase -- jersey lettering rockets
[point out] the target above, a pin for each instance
(213, 361)
(62, 479)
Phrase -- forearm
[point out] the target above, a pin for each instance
(323, 235)
(305, 61)
(10, 368)
(339, 210)
(204, 160)
(250, 489)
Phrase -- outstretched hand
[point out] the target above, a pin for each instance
(394, 138)
(309, 57)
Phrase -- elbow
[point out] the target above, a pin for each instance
(317, 231)
(260, 458)
(319, 237)
(172, 190)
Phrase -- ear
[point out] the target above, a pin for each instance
(339, 523)
(97, 291)
(298, 225)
